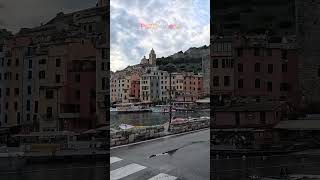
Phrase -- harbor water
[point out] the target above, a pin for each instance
(149, 118)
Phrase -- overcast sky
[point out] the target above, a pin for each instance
(15, 14)
(130, 40)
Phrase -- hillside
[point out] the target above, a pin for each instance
(189, 61)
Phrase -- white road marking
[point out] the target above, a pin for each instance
(114, 159)
(163, 176)
(125, 171)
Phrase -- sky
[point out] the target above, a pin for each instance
(167, 26)
(15, 14)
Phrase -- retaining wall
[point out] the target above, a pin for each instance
(135, 134)
(189, 126)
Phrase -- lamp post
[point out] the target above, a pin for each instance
(170, 68)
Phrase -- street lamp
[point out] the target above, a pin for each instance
(170, 68)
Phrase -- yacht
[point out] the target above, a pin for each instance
(162, 109)
(131, 108)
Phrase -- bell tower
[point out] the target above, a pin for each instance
(152, 57)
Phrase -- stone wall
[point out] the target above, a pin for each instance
(189, 126)
(122, 137)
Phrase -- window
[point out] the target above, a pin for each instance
(237, 119)
(226, 80)
(240, 83)
(256, 52)
(239, 52)
(17, 76)
(257, 83)
(17, 62)
(103, 83)
(28, 105)
(49, 112)
(284, 54)
(77, 78)
(284, 67)
(8, 91)
(6, 118)
(35, 117)
(29, 74)
(58, 62)
(240, 67)
(90, 28)
(269, 52)
(9, 62)
(30, 63)
(57, 78)
(269, 86)
(42, 61)
(223, 63)
(29, 90)
(257, 67)
(102, 66)
(36, 104)
(263, 117)
(49, 94)
(28, 117)
(16, 91)
(42, 75)
(16, 106)
(215, 63)
(215, 80)
(0, 92)
(270, 68)
(7, 105)
(284, 87)
(18, 118)
(77, 94)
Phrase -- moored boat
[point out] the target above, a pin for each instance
(161, 109)
(131, 108)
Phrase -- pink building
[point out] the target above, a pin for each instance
(192, 88)
(134, 88)
(78, 96)
(266, 69)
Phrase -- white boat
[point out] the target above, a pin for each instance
(113, 109)
(12, 161)
(125, 126)
(131, 108)
(161, 109)
(178, 120)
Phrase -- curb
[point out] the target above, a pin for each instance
(163, 137)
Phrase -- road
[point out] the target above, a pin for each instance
(182, 157)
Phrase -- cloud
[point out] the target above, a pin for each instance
(130, 42)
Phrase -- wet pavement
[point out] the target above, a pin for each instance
(183, 157)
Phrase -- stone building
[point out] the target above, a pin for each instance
(152, 59)
(51, 73)
(222, 65)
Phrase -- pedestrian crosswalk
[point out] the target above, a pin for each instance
(128, 170)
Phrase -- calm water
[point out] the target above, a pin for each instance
(148, 118)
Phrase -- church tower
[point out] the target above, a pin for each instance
(144, 60)
(152, 57)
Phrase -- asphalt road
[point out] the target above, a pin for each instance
(182, 157)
